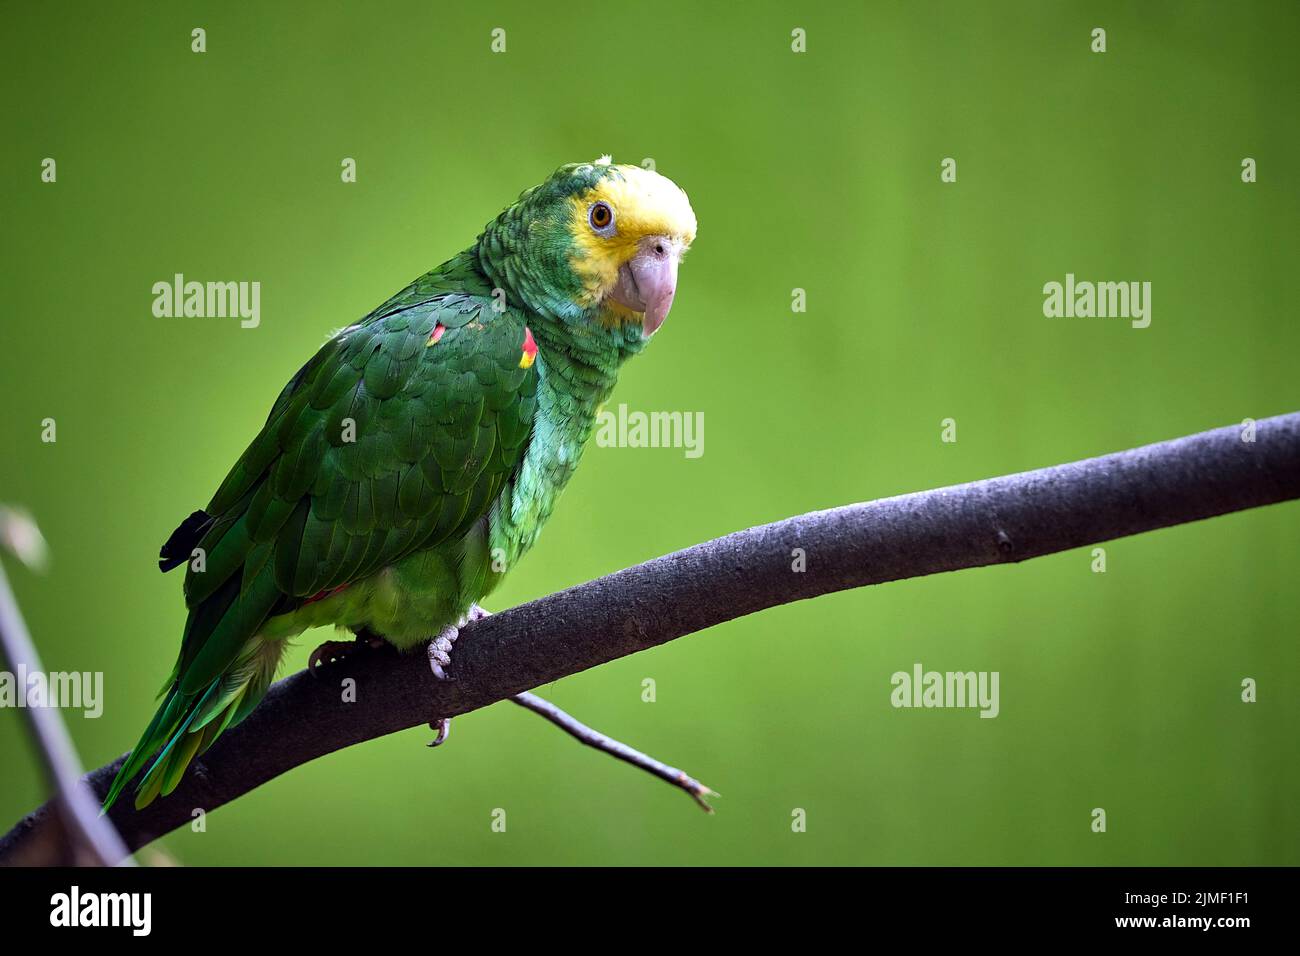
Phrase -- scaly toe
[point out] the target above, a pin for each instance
(440, 652)
(440, 659)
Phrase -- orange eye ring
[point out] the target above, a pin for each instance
(601, 217)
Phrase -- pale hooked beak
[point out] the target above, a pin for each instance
(648, 281)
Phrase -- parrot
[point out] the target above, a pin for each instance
(416, 456)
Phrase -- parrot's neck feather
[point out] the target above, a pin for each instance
(574, 380)
(579, 354)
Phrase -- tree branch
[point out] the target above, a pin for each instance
(995, 521)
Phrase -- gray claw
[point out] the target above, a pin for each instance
(443, 726)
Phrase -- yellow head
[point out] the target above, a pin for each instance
(596, 242)
(630, 230)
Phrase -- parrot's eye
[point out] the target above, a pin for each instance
(601, 218)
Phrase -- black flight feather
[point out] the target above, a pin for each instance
(180, 546)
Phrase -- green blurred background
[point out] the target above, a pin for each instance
(818, 171)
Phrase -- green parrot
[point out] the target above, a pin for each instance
(417, 455)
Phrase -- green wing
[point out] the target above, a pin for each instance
(381, 446)
(393, 438)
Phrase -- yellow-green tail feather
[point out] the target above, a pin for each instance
(185, 726)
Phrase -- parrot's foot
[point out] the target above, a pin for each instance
(440, 659)
(440, 651)
(333, 651)
(440, 646)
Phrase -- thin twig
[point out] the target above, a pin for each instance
(996, 521)
(93, 839)
(594, 738)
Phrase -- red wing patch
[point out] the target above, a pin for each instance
(530, 349)
(328, 592)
